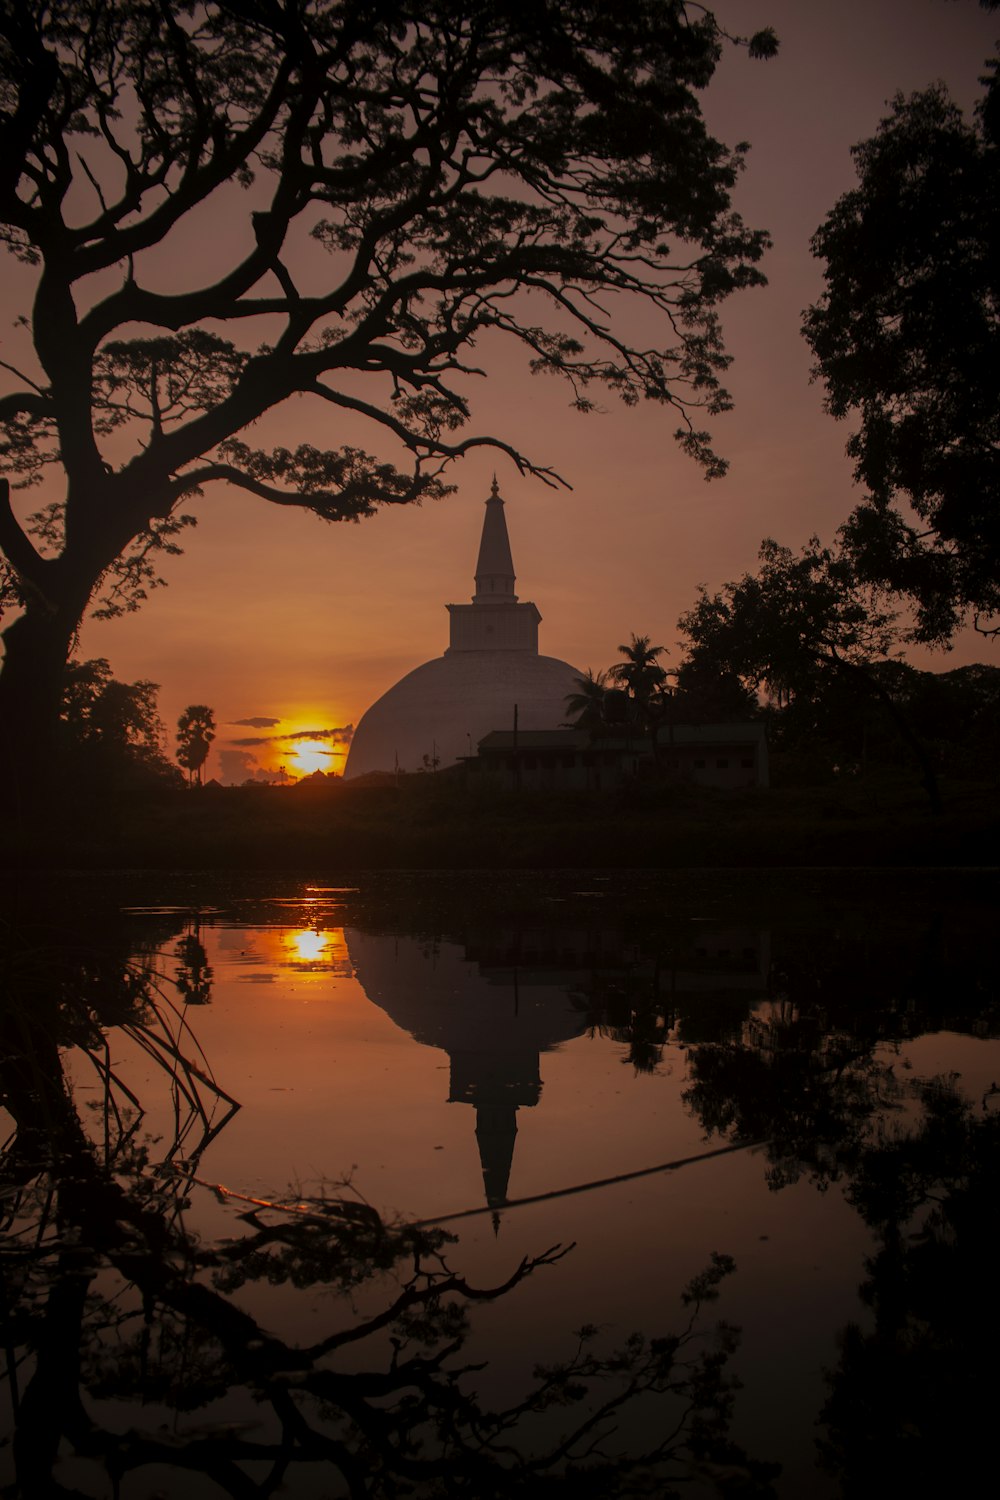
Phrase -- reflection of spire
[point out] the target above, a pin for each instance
(496, 1131)
(495, 567)
(496, 1083)
(492, 1024)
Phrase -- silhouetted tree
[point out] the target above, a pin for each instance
(798, 620)
(648, 695)
(706, 693)
(111, 734)
(195, 733)
(640, 673)
(907, 336)
(958, 712)
(586, 708)
(466, 167)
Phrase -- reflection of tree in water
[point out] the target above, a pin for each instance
(816, 1109)
(193, 975)
(912, 1401)
(811, 1071)
(628, 1008)
(909, 1410)
(131, 1342)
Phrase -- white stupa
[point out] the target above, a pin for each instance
(444, 708)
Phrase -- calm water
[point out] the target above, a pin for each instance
(228, 1103)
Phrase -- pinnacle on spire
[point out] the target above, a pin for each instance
(495, 567)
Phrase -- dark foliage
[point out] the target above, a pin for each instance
(111, 735)
(195, 733)
(907, 338)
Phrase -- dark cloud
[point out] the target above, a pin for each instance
(257, 722)
(239, 767)
(342, 735)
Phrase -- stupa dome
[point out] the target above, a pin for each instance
(442, 709)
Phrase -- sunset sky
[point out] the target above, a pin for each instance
(273, 615)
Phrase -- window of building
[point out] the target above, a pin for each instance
(722, 764)
(699, 765)
(747, 762)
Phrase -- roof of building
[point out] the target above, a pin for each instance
(752, 731)
(536, 739)
(717, 734)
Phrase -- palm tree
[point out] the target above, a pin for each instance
(645, 681)
(195, 733)
(640, 673)
(585, 708)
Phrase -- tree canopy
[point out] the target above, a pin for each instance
(907, 337)
(798, 614)
(111, 733)
(522, 172)
(800, 621)
(195, 733)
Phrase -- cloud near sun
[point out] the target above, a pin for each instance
(341, 735)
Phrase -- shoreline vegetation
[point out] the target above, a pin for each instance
(436, 822)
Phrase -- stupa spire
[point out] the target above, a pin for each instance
(494, 621)
(496, 1132)
(495, 566)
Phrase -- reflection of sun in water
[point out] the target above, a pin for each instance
(317, 952)
(308, 947)
(309, 756)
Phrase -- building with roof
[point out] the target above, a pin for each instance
(439, 712)
(571, 760)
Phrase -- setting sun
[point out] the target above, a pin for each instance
(309, 756)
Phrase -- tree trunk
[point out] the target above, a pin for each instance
(36, 650)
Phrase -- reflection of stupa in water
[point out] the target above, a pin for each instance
(446, 706)
(493, 1029)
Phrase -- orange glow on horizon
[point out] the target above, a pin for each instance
(309, 756)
